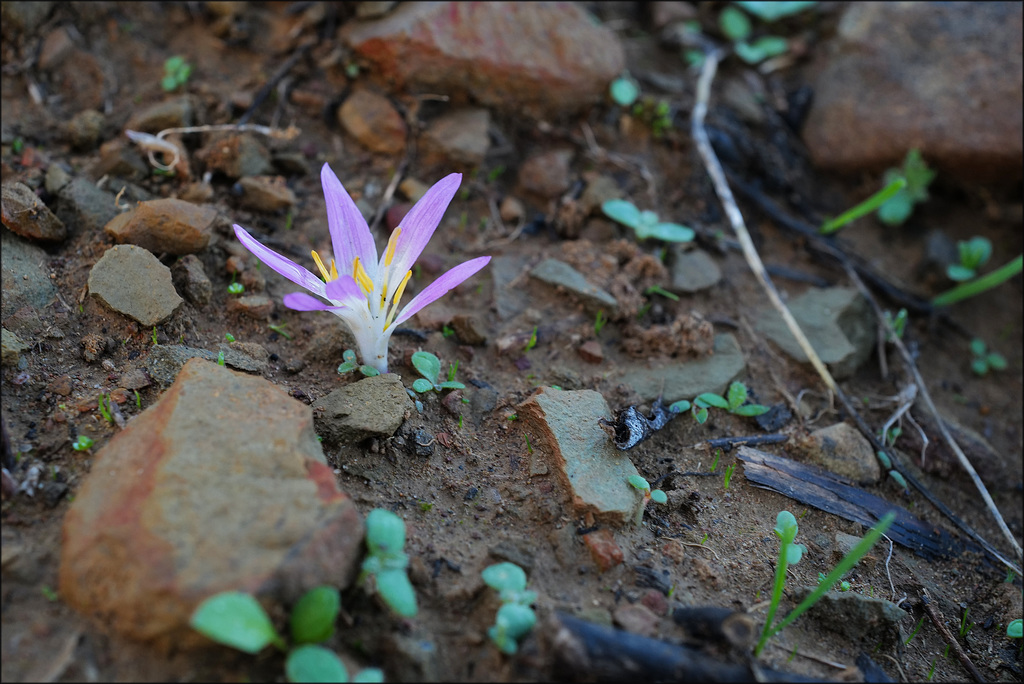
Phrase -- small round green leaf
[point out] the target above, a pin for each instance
(659, 497)
(794, 552)
(734, 24)
(979, 366)
(786, 527)
(672, 232)
(752, 410)
(959, 272)
(397, 592)
(371, 675)
(385, 532)
(349, 355)
(884, 459)
(347, 366)
(996, 360)
(369, 371)
(427, 364)
(679, 406)
(639, 483)
(314, 615)
(451, 384)
(502, 576)
(624, 91)
(978, 347)
(737, 395)
(896, 210)
(314, 664)
(770, 11)
(898, 477)
(235, 619)
(517, 620)
(712, 399)
(622, 211)
(700, 414)
(1015, 630)
(422, 385)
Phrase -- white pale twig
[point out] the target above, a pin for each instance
(157, 143)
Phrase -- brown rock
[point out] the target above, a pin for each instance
(164, 225)
(159, 524)
(25, 214)
(236, 156)
(121, 159)
(190, 279)
(57, 47)
(79, 79)
(591, 351)
(373, 121)
(459, 137)
(84, 129)
(469, 329)
(941, 77)
(176, 113)
(537, 58)
(266, 193)
(254, 306)
(546, 173)
(843, 450)
(636, 618)
(603, 549)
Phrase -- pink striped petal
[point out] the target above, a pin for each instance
(441, 286)
(345, 290)
(300, 301)
(286, 267)
(420, 223)
(350, 236)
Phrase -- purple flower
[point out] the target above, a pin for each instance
(362, 290)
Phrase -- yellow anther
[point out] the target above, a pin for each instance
(334, 271)
(389, 254)
(320, 265)
(397, 298)
(359, 273)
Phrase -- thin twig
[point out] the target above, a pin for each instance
(933, 613)
(948, 438)
(714, 169)
(389, 192)
(281, 72)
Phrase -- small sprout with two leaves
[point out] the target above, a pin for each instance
(645, 223)
(843, 585)
(734, 402)
(790, 553)
(515, 618)
(349, 363)
(985, 360)
(237, 619)
(974, 254)
(387, 562)
(736, 26)
(83, 443)
(429, 366)
(176, 73)
(599, 322)
(657, 496)
(897, 209)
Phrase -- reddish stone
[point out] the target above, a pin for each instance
(591, 351)
(656, 601)
(603, 549)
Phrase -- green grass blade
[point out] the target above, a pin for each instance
(865, 207)
(848, 561)
(979, 285)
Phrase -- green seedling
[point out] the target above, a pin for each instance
(728, 475)
(447, 331)
(599, 322)
(737, 27)
(655, 289)
(229, 337)
(897, 209)
(984, 360)
(735, 402)
(898, 323)
(657, 496)
(349, 363)
(529, 448)
(515, 618)
(387, 562)
(931, 670)
(974, 254)
(237, 620)
(624, 90)
(532, 342)
(154, 336)
(864, 208)
(17, 145)
(82, 443)
(1015, 630)
(843, 586)
(220, 358)
(982, 284)
(773, 11)
(965, 625)
(49, 593)
(645, 223)
(279, 329)
(236, 288)
(714, 463)
(791, 553)
(176, 73)
(103, 401)
(429, 366)
(289, 219)
(138, 400)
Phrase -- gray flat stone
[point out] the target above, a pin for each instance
(685, 380)
(131, 281)
(838, 323)
(220, 485)
(843, 450)
(693, 271)
(563, 428)
(509, 301)
(166, 360)
(11, 347)
(854, 615)
(84, 207)
(371, 407)
(25, 279)
(561, 274)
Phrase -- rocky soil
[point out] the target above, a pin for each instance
(218, 448)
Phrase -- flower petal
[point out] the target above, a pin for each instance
(350, 236)
(345, 290)
(300, 301)
(286, 267)
(421, 222)
(441, 286)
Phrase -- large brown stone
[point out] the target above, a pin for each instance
(541, 58)
(221, 485)
(165, 225)
(944, 77)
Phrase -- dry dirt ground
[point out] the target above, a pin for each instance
(711, 546)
